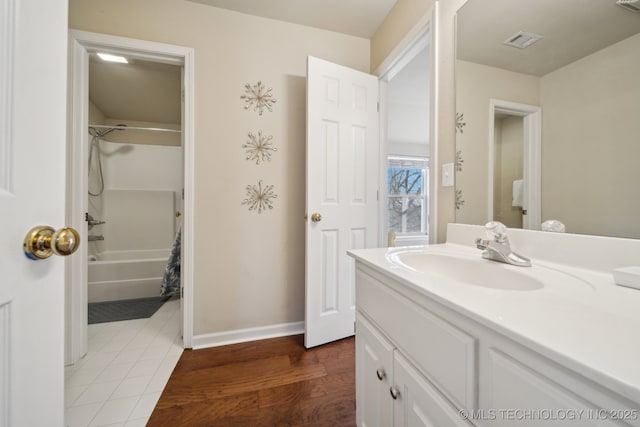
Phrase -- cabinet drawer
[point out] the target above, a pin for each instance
(444, 353)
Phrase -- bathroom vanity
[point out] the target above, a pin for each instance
(446, 338)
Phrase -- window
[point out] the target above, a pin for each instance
(407, 187)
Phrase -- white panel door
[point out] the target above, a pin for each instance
(33, 61)
(342, 184)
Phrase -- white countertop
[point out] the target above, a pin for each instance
(586, 323)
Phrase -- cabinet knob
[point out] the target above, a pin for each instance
(394, 393)
(380, 374)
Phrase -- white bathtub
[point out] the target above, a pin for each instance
(116, 275)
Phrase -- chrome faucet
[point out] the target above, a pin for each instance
(93, 222)
(496, 246)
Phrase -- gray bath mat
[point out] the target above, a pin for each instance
(112, 311)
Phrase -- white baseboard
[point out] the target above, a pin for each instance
(244, 335)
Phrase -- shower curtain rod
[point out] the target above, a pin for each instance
(134, 128)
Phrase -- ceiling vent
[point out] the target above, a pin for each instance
(632, 5)
(523, 39)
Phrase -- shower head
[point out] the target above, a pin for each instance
(100, 134)
(117, 127)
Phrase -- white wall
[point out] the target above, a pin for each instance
(407, 128)
(142, 187)
(408, 109)
(249, 267)
(142, 220)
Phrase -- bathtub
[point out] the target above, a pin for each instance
(116, 275)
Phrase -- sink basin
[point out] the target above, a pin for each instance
(475, 271)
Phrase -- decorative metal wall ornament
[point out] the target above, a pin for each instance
(459, 122)
(258, 97)
(459, 161)
(459, 200)
(259, 147)
(259, 198)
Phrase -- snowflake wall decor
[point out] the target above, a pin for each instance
(459, 122)
(259, 147)
(459, 161)
(459, 200)
(259, 198)
(258, 97)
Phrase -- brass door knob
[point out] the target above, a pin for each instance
(316, 217)
(43, 241)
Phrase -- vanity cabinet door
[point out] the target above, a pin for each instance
(416, 402)
(515, 393)
(374, 373)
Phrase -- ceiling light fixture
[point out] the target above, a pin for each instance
(522, 40)
(632, 5)
(113, 58)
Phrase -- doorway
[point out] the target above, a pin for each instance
(135, 181)
(406, 102)
(142, 153)
(517, 187)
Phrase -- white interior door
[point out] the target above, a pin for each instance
(342, 185)
(33, 61)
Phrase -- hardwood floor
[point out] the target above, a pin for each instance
(275, 382)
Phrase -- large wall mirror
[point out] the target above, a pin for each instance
(578, 63)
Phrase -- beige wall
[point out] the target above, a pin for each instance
(475, 85)
(249, 267)
(590, 147)
(404, 15)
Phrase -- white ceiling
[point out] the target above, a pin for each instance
(359, 18)
(571, 29)
(137, 91)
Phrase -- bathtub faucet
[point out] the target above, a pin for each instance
(93, 222)
(496, 246)
(93, 238)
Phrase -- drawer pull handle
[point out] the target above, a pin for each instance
(380, 374)
(394, 393)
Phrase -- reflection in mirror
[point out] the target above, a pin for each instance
(507, 170)
(584, 75)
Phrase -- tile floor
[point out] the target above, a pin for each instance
(119, 381)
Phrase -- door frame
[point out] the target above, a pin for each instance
(531, 157)
(420, 36)
(81, 43)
